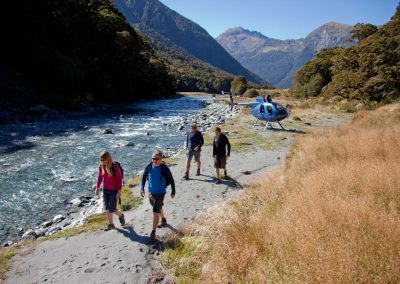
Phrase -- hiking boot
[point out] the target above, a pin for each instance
(186, 176)
(109, 227)
(122, 219)
(163, 223)
(218, 181)
(198, 172)
(153, 235)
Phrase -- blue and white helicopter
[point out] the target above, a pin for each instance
(266, 110)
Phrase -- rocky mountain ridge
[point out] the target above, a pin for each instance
(277, 60)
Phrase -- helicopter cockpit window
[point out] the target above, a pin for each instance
(262, 110)
(269, 110)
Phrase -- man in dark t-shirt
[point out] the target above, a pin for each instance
(194, 141)
(220, 154)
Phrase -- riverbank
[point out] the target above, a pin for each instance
(126, 254)
(74, 210)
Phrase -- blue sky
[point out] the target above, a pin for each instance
(282, 19)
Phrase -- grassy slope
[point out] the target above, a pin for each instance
(331, 215)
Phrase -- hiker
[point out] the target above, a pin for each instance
(111, 177)
(269, 99)
(219, 153)
(159, 176)
(194, 141)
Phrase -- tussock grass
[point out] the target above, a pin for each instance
(5, 255)
(331, 215)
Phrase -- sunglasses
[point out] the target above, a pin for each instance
(155, 159)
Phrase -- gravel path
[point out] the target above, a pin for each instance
(126, 255)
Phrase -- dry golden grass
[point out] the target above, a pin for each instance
(332, 215)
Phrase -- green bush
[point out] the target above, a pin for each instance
(251, 93)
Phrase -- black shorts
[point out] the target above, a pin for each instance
(220, 162)
(157, 201)
(110, 200)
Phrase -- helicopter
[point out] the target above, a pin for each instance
(266, 110)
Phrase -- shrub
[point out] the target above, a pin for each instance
(251, 93)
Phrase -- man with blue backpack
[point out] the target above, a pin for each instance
(159, 177)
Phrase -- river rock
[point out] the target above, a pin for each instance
(75, 202)
(46, 224)
(130, 144)
(53, 231)
(108, 131)
(7, 244)
(58, 218)
(29, 235)
(40, 109)
(181, 127)
(40, 232)
(141, 145)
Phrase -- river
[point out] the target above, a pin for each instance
(43, 165)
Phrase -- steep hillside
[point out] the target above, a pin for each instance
(367, 72)
(277, 60)
(65, 53)
(157, 21)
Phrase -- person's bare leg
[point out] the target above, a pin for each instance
(118, 213)
(198, 165)
(156, 219)
(110, 218)
(162, 213)
(187, 166)
(218, 174)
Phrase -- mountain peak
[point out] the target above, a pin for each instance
(277, 60)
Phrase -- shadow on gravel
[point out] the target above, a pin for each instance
(129, 233)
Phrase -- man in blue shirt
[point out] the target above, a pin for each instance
(159, 176)
(194, 141)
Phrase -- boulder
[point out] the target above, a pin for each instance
(53, 231)
(58, 218)
(40, 232)
(75, 202)
(141, 145)
(46, 224)
(130, 144)
(29, 235)
(40, 109)
(108, 131)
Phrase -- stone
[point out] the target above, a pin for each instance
(46, 224)
(75, 202)
(40, 232)
(7, 244)
(53, 231)
(130, 144)
(29, 235)
(39, 109)
(108, 131)
(141, 145)
(58, 218)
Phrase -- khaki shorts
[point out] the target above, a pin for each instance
(195, 154)
(220, 162)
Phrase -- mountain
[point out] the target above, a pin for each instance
(168, 30)
(68, 54)
(366, 73)
(277, 60)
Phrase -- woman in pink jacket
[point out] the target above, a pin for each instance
(110, 175)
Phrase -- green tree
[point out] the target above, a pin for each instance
(251, 93)
(239, 85)
(362, 31)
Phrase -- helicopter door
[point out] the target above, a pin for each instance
(269, 110)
